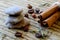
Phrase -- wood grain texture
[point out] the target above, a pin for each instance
(8, 34)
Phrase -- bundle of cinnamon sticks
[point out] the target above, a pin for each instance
(49, 16)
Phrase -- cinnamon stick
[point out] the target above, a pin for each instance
(49, 21)
(49, 11)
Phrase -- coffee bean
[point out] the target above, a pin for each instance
(39, 17)
(34, 15)
(31, 11)
(18, 34)
(29, 6)
(39, 21)
(38, 35)
(26, 28)
(26, 15)
(37, 10)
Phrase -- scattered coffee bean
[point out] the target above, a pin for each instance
(26, 28)
(37, 10)
(39, 17)
(31, 11)
(34, 15)
(29, 6)
(26, 15)
(39, 21)
(18, 34)
(38, 35)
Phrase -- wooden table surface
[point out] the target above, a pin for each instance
(8, 34)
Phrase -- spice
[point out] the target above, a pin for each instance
(18, 34)
(39, 21)
(31, 11)
(38, 35)
(29, 6)
(34, 15)
(26, 15)
(49, 11)
(49, 21)
(26, 28)
(37, 10)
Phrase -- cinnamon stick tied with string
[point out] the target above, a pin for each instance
(49, 11)
(49, 21)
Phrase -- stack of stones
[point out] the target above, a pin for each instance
(15, 18)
